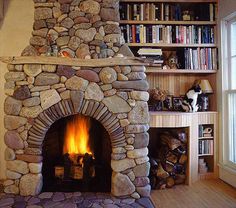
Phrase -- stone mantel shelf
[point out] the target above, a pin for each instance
(121, 61)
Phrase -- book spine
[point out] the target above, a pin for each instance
(133, 34)
(137, 32)
(141, 12)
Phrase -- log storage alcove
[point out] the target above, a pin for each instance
(41, 90)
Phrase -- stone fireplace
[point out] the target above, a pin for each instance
(76, 64)
(120, 106)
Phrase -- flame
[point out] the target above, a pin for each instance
(77, 136)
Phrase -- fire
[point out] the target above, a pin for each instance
(77, 136)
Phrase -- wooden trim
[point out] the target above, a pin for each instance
(166, 1)
(146, 22)
(151, 69)
(171, 45)
(133, 61)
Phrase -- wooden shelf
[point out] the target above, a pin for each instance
(171, 45)
(202, 138)
(205, 155)
(175, 1)
(145, 22)
(151, 69)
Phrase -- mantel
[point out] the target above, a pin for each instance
(121, 61)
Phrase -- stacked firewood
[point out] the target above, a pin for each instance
(169, 168)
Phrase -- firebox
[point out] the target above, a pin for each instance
(76, 156)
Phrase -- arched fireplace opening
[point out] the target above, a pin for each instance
(76, 156)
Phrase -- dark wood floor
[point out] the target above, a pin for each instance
(202, 194)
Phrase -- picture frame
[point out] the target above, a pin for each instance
(167, 103)
(177, 103)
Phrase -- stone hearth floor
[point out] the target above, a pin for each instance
(71, 200)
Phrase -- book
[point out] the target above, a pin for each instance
(150, 51)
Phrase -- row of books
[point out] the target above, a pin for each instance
(168, 34)
(200, 58)
(166, 11)
(206, 147)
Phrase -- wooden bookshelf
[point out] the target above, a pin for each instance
(157, 22)
(151, 69)
(178, 81)
(169, 1)
(171, 45)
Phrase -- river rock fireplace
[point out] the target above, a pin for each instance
(32, 108)
(76, 65)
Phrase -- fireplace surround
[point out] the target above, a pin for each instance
(32, 107)
(93, 74)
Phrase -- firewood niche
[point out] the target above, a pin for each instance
(168, 157)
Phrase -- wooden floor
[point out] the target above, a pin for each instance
(202, 194)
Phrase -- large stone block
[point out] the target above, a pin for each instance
(17, 166)
(22, 93)
(134, 85)
(31, 184)
(13, 140)
(121, 165)
(86, 35)
(49, 98)
(140, 95)
(12, 106)
(139, 114)
(14, 76)
(90, 6)
(121, 185)
(108, 75)
(42, 13)
(136, 153)
(77, 99)
(88, 75)
(35, 167)
(144, 191)
(9, 154)
(142, 170)
(94, 92)
(31, 112)
(76, 83)
(136, 128)
(32, 70)
(14, 122)
(12, 174)
(116, 104)
(12, 189)
(47, 79)
(141, 140)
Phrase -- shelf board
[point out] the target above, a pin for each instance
(164, 1)
(151, 69)
(145, 22)
(172, 45)
(199, 155)
(202, 138)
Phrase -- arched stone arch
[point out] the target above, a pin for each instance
(64, 108)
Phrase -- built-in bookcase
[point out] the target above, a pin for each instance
(185, 29)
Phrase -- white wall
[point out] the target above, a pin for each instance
(225, 8)
(15, 33)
